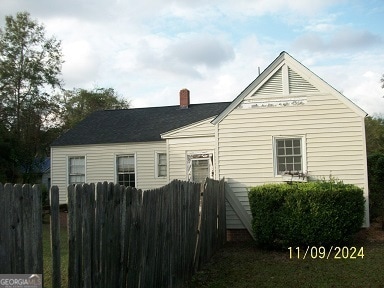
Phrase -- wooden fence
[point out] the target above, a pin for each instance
(21, 249)
(122, 237)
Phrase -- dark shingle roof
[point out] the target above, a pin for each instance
(136, 125)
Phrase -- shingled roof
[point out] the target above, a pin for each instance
(136, 125)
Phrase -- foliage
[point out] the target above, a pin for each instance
(376, 185)
(319, 213)
(30, 64)
(79, 103)
(374, 133)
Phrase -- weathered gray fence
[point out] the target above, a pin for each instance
(126, 238)
(118, 236)
(21, 248)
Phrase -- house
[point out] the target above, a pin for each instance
(287, 125)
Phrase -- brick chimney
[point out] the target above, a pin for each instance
(184, 98)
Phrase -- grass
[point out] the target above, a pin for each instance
(244, 265)
(240, 265)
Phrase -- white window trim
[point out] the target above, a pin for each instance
(85, 167)
(157, 164)
(115, 165)
(303, 152)
(194, 155)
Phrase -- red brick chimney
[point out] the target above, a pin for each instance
(184, 98)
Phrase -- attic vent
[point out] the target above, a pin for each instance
(273, 86)
(298, 84)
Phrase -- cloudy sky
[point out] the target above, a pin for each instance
(148, 50)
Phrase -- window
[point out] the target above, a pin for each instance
(289, 155)
(161, 164)
(126, 170)
(76, 170)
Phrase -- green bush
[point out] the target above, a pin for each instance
(320, 213)
(376, 185)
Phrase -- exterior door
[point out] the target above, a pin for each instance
(199, 166)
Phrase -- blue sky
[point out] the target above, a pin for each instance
(150, 49)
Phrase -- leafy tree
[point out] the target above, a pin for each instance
(79, 103)
(30, 65)
(374, 130)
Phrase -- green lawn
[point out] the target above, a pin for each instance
(240, 265)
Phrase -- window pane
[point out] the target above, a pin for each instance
(126, 170)
(288, 155)
(76, 170)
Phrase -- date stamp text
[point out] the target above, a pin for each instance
(333, 252)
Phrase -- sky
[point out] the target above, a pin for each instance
(149, 50)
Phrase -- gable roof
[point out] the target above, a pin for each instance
(313, 82)
(136, 125)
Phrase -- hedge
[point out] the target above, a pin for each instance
(320, 213)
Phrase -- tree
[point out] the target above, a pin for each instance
(79, 103)
(30, 65)
(374, 133)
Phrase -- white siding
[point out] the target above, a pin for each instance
(178, 148)
(203, 128)
(100, 164)
(335, 144)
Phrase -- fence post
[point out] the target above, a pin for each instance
(5, 228)
(55, 237)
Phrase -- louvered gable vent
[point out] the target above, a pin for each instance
(273, 86)
(298, 84)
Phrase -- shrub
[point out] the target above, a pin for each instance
(320, 213)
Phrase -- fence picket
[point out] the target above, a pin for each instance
(117, 236)
(55, 237)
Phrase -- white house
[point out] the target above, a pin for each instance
(288, 124)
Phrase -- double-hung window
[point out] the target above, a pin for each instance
(289, 155)
(126, 174)
(161, 164)
(76, 170)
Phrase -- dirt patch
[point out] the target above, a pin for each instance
(374, 233)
